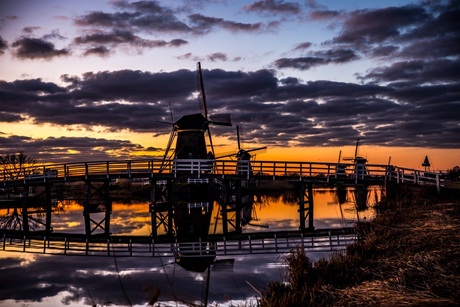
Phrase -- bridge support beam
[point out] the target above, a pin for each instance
(305, 195)
(161, 210)
(25, 213)
(231, 206)
(48, 204)
(97, 201)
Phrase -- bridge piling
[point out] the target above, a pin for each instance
(305, 202)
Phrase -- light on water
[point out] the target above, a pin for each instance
(52, 280)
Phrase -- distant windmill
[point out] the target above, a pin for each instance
(426, 163)
(360, 168)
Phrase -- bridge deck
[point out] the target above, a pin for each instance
(263, 170)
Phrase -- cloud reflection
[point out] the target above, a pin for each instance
(78, 280)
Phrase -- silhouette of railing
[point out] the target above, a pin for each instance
(327, 240)
(320, 172)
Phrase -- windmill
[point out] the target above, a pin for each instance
(192, 197)
(243, 156)
(360, 167)
(244, 209)
(189, 131)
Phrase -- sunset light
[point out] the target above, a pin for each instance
(229, 152)
(305, 78)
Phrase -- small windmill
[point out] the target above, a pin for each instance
(426, 163)
(360, 168)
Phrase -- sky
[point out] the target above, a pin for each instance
(93, 80)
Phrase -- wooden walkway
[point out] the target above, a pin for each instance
(328, 173)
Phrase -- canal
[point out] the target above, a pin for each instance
(50, 280)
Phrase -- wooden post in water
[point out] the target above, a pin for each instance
(48, 204)
(305, 193)
(97, 200)
(161, 212)
(108, 206)
(25, 214)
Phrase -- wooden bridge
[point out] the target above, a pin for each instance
(233, 176)
(323, 172)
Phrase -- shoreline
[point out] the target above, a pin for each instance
(408, 255)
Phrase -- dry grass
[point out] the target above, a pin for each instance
(407, 256)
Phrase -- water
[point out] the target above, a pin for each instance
(49, 280)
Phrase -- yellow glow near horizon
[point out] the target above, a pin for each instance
(410, 157)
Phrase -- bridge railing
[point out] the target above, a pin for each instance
(323, 171)
(131, 247)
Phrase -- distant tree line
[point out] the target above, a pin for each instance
(16, 165)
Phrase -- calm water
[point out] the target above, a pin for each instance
(50, 280)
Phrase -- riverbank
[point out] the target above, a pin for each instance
(409, 255)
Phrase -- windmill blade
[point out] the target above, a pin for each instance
(203, 95)
(220, 119)
(172, 136)
(254, 149)
(226, 155)
(356, 148)
(238, 136)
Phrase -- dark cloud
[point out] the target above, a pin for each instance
(218, 56)
(35, 48)
(134, 19)
(53, 35)
(29, 30)
(417, 72)
(203, 24)
(274, 7)
(426, 31)
(275, 111)
(151, 17)
(326, 15)
(124, 37)
(101, 51)
(303, 46)
(376, 26)
(317, 58)
(3, 45)
(71, 149)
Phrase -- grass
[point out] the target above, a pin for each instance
(407, 256)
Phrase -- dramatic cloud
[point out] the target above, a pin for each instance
(274, 111)
(35, 48)
(101, 51)
(376, 26)
(403, 92)
(317, 58)
(274, 7)
(70, 149)
(122, 37)
(203, 24)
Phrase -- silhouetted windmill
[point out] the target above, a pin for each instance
(243, 155)
(192, 197)
(360, 167)
(190, 131)
(426, 163)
